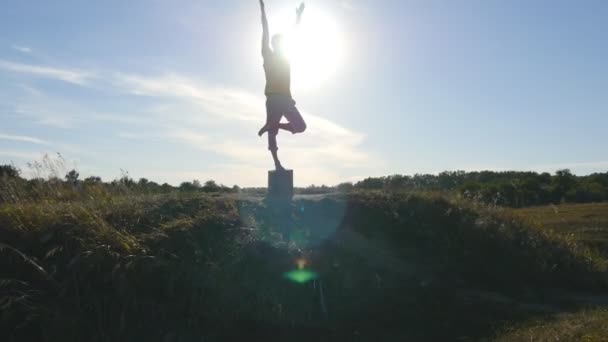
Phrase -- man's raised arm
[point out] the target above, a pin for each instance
(299, 12)
(265, 34)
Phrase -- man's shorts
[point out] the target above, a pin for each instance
(278, 106)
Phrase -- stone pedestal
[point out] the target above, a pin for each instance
(280, 184)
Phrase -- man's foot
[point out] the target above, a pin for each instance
(263, 130)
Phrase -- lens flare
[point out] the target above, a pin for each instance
(301, 276)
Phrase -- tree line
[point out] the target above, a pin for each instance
(508, 188)
(15, 188)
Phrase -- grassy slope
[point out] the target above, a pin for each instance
(587, 223)
(587, 325)
(168, 268)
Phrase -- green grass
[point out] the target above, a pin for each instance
(587, 223)
(586, 325)
(386, 266)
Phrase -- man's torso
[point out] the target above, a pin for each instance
(278, 75)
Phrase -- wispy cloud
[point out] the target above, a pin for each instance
(316, 161)
(22, 49)
(218, 101)
(21, 155)
(238, 150)
(324, 143)
(47, 110)
(22, 138)
(221, 121)
(348, 5)
(223, 102)
(67, 75)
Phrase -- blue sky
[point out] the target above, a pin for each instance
(173, 90)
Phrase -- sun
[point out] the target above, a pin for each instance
(315, 48)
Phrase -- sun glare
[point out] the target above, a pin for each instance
(315, 48)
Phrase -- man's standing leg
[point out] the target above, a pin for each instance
(272, 146)
(273, 118)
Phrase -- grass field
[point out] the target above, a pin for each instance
(586, 325)
(360, 267)
(587, 223)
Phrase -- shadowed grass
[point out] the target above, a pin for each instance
(586, 223)
(186, 267)
(586, 325)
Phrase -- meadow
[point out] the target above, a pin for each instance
(358, 265)
(126, 260)
(586, 223)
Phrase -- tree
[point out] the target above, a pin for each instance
(345, 187)
(92, 180)
(211, 186)
(166, 188)
(189, 186)
(9, 171)
(72, 177)
(449, 180)
(562, 183)
(371, 183)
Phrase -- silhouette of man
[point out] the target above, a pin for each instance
(279, 102)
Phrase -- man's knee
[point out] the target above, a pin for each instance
(273, 130)
(300, 127)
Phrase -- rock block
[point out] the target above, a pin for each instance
(280, 184)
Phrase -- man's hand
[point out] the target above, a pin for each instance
(299, 10)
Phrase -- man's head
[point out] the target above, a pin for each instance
(278, 43)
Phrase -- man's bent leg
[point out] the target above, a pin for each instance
(296, 122)
(273, 115)
(286, 126)
(263, 130)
